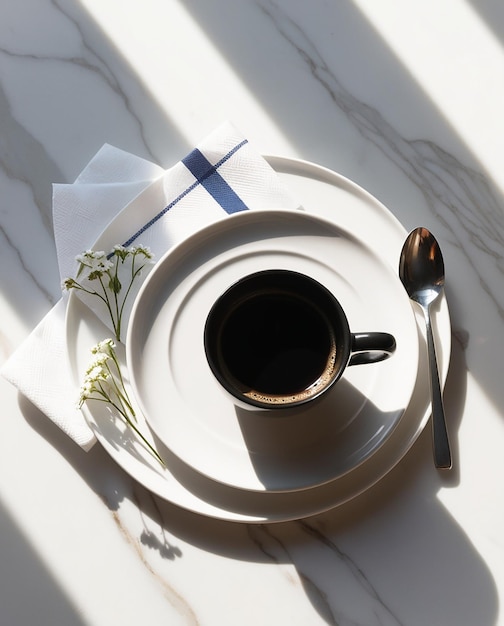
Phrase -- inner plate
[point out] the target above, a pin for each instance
(256, 450)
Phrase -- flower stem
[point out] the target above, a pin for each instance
(107, 302)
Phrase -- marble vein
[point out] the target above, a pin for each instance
(461, 198)
(48, 295)
(157, 540)
(171, 595)
(103, 69)
(23, 158)
(356, 571)
(149, 539)
(277, 552)
(20, 156)
(336, 576)
(91, 61)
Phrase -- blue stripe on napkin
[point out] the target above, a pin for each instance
(206, 175)
(212, 181)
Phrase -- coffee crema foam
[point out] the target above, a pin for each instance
(293, 398)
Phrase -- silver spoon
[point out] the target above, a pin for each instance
(421, 270)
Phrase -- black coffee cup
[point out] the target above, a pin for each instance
(278, 339)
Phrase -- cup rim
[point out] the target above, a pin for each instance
(342, 336)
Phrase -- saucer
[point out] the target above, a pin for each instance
(249, 449)
(321, 192)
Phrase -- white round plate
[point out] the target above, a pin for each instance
(249, 449)
(321, 192)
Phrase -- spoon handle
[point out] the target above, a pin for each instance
(442, 454)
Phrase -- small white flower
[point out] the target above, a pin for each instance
(121, 252)
(95, 261)
(96, 372)
(86, 391)
(102, 278)
(104, 347)
(69, 283)
(88, 386)
(100, 359)
(83, 258)
(144, 250)
(113, 392)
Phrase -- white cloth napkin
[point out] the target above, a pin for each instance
(224, 174)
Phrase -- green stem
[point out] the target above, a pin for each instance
(107, 302)
(150, 448)
(121, 393)
(129, 423)
(91, 292)
(116, 301)
(113, 355)
(134, 274)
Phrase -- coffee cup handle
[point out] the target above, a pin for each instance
(371, 347)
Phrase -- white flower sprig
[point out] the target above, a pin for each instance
(104, 382)
(96, 267)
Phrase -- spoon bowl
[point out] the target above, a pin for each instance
(421, 270)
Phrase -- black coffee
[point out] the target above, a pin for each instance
(277, 344)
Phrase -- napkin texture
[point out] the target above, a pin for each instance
(140, 203)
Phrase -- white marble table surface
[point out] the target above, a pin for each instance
(405, 98)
